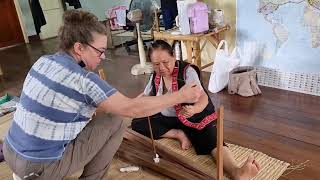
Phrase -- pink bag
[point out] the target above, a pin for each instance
(199, 17)
(111, 14)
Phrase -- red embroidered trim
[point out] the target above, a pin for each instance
(203, 123)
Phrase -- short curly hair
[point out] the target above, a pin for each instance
(78, 26)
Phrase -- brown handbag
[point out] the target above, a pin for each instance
(243, 81)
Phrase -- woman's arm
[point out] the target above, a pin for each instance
(149, 105)
(199, 106)
(190, 110)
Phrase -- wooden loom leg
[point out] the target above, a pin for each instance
(220, 143)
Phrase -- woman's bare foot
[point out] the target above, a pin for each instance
(248, 170)
(180, 136)
(184, 140)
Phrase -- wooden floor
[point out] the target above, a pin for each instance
(282, 124)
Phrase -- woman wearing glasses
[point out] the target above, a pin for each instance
(51, 136)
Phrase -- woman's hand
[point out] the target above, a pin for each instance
(190, 93)
(188, 111)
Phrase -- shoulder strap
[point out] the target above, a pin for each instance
(153, 85)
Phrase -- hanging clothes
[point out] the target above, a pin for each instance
(75, 3)
(37, 14)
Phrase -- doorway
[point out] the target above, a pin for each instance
(10, 29)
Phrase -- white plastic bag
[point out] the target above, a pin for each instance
(223, 64)
(248, 53)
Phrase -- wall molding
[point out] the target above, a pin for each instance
(308, 83)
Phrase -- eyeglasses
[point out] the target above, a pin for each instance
(98, 50)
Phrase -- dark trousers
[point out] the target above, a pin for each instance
(203, 141)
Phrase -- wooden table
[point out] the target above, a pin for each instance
(192, 42)
(107, 24)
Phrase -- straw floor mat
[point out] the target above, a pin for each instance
(271, 168)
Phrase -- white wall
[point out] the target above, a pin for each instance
(53, 12)
(99, 7)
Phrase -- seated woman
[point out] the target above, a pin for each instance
(191, 124)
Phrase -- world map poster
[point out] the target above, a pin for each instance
(287, 32)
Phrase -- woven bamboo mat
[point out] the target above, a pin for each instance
(271, 168)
